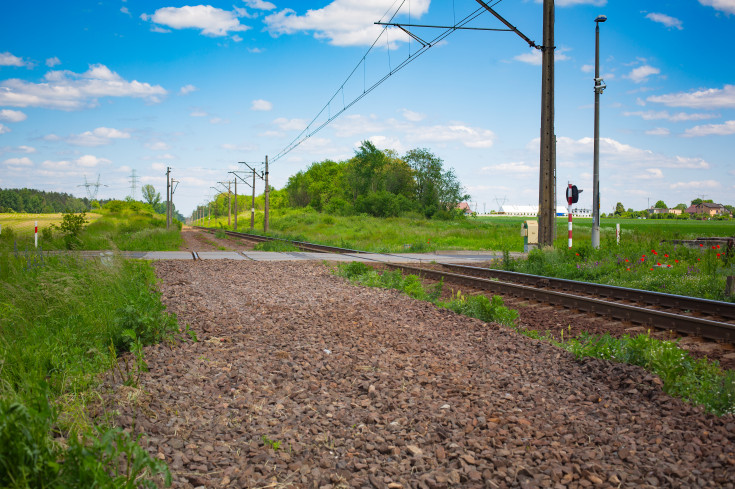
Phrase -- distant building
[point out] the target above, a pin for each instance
(532, 211)
(707, 209)
(465, 207)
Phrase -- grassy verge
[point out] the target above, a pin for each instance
(62, 323)
(698, 381)
(660, 267)
(125, 226)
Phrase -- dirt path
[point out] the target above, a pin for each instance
(302, 380)
(196, 240)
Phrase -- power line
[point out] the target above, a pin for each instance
(314, 127)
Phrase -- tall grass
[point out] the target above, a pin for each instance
(61, 325)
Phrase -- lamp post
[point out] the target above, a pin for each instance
(599, 87)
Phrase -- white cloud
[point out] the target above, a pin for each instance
(260, 5)
(519, 167)
(343, 22)
(711, 129)
(12, 115)
(652, 115)
(4, 129)
(290, 124)
(56, 165)
(219, 120)
(588, 68)
(19, 149)
(239, 147)
(212, 21)
(261, 105)
(198, 113)
(166, 156)
(534, 57)
(66, 90)
(641, 74)
(659, 131)
(625, 154)
(7, 59)
(651, 174)
(187, 89)
(51, 137)
(469, 136)
(256, 50)
(89, 161)
(703, 184)
(412, 116)
(711, 98)
(51, 62)
(157, 146)
(24, 161)
(727, 6)
(160, 167)
(98, 137)
(666, 20)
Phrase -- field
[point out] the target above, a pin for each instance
(497, 233)
(22, 224)
(124, 226)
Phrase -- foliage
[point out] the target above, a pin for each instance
(56, 323)
(698, 381)
(660, 204)
(479, 306)
(378, 183)
(282, 246)
(150, 195)
(38, 201)
(71, 226)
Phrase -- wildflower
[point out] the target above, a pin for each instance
(626, 260)
(699, 259)
(643, 259)
(718, 255)
(666, 255)
(652, 269)
(654, 252)
(577, 254)
(700, 244)
(628, 269)
(659, 264)
(713, 247)
(676, 261)
(643, 256)
(718, 247)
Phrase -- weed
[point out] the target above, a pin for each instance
(275, 445)
(220, 234)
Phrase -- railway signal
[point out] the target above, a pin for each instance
(572, 198)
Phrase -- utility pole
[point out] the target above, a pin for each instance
(173, 190)
(267, 198)
(547, 176)
(168, 197)
(599, 87)
(229, 204)
(246, 183)
(252, 204)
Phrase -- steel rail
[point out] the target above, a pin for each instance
(692, 304)
(706, 328)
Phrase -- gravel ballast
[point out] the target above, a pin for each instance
(300, 379)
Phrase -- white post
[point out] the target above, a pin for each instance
(617, 232)
(36, 234)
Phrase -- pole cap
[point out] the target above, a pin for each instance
(601, 18)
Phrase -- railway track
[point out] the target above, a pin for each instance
(714, 320)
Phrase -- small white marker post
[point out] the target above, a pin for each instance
(35, 234)
(617, 232)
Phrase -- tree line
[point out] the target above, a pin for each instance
(379, 183)
(31, 201)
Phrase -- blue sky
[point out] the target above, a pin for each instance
(92, 88)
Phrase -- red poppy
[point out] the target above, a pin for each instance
(666, 256)
(676, 261)
(652, 269)
(628, 269)
(718, 255)
(654, 252)
(658, 264)
(718, 247)
(699, 259)
(713, 247)
(577, 254)
(643, 256)
(626, 260)
(700, 244)
(643, 259)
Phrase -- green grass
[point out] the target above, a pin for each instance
(660, 267)
(62, 324)
(282, 246)
(131, 228)
(416, 234)
(698, 381)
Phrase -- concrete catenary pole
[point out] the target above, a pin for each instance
(252, 205)
(547, 177)
(599, 87)
(267, 199)
(168, 197)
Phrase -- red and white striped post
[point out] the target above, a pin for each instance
(35, 237)
(569, 212)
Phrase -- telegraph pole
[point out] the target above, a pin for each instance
(267, 198)
(547, 176)
(168, 197)
(252, 205)
(599, 87)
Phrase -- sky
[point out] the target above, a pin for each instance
(103, 90)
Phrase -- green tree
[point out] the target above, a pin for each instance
(680, 206)
(150, 195)
(619, 208)
(660, 204)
